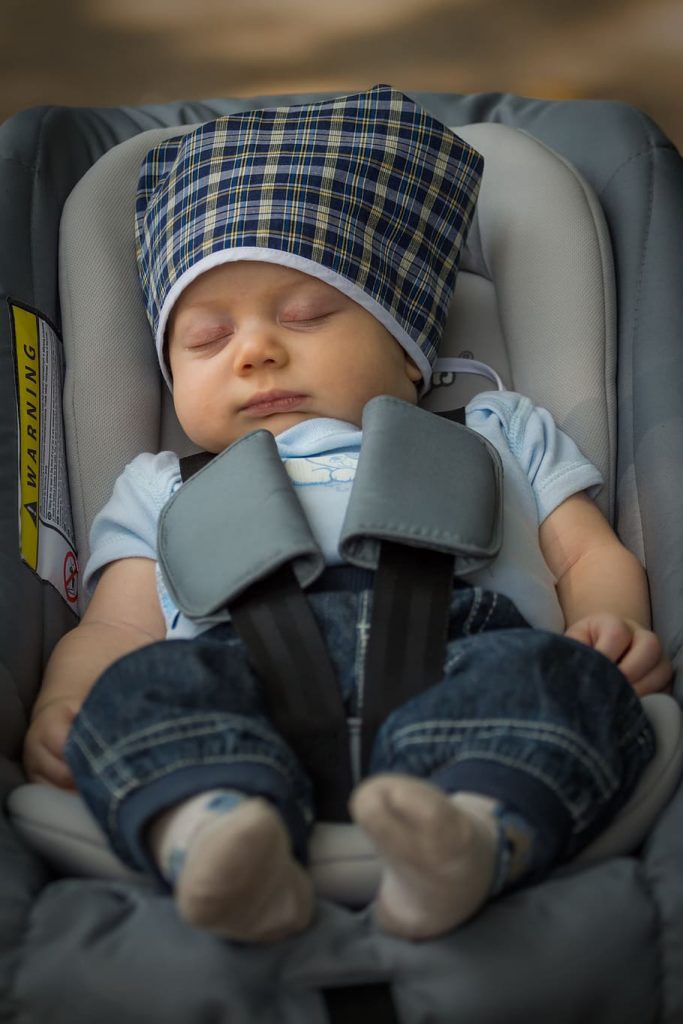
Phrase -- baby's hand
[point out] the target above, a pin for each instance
(633, 648)
(44, 744)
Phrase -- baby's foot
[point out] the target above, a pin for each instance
(439, 853)
(240, 880)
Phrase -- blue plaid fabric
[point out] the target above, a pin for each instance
(368, 192)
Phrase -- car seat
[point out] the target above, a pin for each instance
(536, 298)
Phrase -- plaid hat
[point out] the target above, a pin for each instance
(368, 193)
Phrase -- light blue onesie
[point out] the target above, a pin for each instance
(542, 467)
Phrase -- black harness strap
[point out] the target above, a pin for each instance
(277, 626)
(355, 1004)
(408, 628)
(457, 415)
(408, 631)
(191, 464)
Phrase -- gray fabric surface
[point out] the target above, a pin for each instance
(603, 945)
(554, 953)
(454, 504)
(274, 532)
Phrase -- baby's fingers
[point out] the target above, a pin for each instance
(42, 766)
(607, 634)
(643, 655)
(645, 665)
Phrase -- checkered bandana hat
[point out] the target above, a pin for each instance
(368, 193)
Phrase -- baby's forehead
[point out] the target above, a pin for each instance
(248, 283)
(251, 277)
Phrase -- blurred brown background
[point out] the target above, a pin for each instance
(112, 52)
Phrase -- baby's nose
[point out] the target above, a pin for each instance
(258, 346)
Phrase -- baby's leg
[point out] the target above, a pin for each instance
(229, 858)
(198, 721)
(443, 856)
(545, 726)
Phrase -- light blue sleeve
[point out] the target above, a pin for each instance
(127, 525)
(552, 462)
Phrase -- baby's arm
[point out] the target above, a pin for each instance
(603, 591)
(124, 614)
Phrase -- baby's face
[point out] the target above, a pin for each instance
(259, 345)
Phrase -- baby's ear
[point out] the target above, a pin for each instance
(414, 374)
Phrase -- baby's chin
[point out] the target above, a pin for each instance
(278, 423)
(275, 424)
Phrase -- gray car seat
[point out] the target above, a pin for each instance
(542, 308)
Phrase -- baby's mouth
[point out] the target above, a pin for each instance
(265, 402)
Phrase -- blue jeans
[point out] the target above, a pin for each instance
(544, 724)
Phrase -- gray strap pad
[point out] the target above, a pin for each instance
(231, 524)
(424, 481)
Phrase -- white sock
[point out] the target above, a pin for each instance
(229, 858)
(441, 854)
(170, 835)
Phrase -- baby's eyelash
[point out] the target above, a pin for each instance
(206, 341)
(304, 317)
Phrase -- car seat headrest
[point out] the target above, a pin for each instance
(534, 298)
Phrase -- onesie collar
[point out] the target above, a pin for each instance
(311, 437)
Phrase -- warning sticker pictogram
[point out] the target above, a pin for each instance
(71, 577)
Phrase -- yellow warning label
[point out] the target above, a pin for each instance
(28, 393)
(46, 535)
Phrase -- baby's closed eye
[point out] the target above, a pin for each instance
(305, 314)
(206, 337)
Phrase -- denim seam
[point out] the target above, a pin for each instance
(213, 718)
(97, 756)
(224, 758)
(119, 795)
(494, 605)
(119, 777)
(634, 732)
(550, 734)
(477, 594)
(181, 728)
(363, 635)
(84, 722)
(606, 781)
(453, 661)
